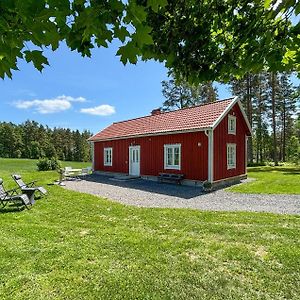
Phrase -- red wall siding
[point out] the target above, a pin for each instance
(221, 138)
(193, 158)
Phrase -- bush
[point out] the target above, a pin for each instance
(46, 164)
(55, 163)
(293, 150)
(207, 186)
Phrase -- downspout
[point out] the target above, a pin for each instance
(246, 153)
(210, 134)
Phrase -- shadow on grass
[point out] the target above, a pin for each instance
(291, 173)
(295, 170)
(13, 208)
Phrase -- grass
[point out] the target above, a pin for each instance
(12, 165)
(271, 180)
(78, 246)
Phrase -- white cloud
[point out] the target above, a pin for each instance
(49, 106)
(45, 106)
(71, 99)
(101, 110)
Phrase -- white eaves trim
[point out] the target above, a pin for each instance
(151, 134)
(227, 110)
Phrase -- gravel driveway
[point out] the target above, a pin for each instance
(144, 193)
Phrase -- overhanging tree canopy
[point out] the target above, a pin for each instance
(201, 40)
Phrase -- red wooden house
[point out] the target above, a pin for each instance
(205, 143)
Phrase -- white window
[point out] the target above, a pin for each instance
(107, 156)
(231, 124)
(172, 156)
(231, 156)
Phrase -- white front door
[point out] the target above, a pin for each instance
(134, 160)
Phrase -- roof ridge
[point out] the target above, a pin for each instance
(173, 111)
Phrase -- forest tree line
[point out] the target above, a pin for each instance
(271, 102)
(33, 140)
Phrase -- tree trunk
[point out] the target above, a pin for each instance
(284, 132)
(280, 146)
(275, 155)
(249, 115)
(259, 124)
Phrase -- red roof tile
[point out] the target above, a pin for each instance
(193, 118)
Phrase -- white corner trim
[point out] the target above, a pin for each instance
(210, 155)
(93, 155)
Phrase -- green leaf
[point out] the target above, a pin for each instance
(117, 5)
(136, 13)
(129, 52)
(267, 4)
(297, 9)
(289, 56)
(170, 59)
(155, 4)
(142, 36)
(37, 58)
(121, 33)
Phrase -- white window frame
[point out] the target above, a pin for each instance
(231, 130)
(231, 165)
(107, 163)
(172, 166)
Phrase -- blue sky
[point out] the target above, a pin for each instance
(67, 92)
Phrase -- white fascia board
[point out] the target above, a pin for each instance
(153, 134)
(225, 112)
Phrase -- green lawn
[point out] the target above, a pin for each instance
(271, 180)
(77, 246)
(29, 165)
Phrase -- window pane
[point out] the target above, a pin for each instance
(231, 124)
(169, 156)
(176, 156)
(233, 156)
(108, 156)
(231, 160)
